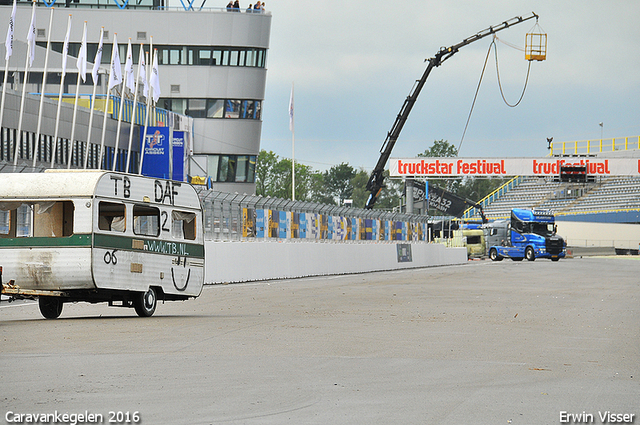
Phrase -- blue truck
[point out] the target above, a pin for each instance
(529, 234)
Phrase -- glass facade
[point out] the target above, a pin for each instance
(175, 55)
(214, 108)
(231, 168)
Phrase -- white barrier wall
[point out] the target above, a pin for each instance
(242, 261)
(587, 234)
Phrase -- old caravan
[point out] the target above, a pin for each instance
(99, 236)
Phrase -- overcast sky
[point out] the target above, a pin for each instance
(354, 62)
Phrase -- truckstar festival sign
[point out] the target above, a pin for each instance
(445, 167)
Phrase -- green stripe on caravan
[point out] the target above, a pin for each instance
(79, 240)
(148, 245)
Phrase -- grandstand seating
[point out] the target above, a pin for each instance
(607, 195)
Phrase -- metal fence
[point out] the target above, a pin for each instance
(233, 217)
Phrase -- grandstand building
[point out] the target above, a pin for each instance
(212, 68)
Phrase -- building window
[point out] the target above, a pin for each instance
(196, 108)
(172, 55)
(232, 168)
(214, 108)
(232, 108)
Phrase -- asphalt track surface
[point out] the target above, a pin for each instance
(481, 343)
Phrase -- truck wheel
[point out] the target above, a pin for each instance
(529, 254)
(50, 307)
(145, 303)
(493, 254)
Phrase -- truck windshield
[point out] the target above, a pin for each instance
(542, 229)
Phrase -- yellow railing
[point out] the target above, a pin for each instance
(585, 147)
(597, 211)
(470, 212)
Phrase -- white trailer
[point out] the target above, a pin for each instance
(98, 236)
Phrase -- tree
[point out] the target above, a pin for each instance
(264, 172)
(391, 194)
(443, 149)
(338, 181)
(273, 177)
(440, 149)
(360, 193)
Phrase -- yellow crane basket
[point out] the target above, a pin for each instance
(535, 48)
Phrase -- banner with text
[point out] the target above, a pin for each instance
(179, 156)
(156, 152)
(444, 167)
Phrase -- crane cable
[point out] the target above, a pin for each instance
(526, 82)
(475, 96)
(493, 44)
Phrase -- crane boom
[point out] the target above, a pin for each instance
(376, 180)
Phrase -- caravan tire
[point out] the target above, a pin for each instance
(50, 307)
(145, 303)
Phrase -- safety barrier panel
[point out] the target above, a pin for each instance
(229, 217)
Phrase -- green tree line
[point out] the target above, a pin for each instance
(342, 182)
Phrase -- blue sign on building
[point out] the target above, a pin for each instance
(157, 157)
(155, 148)
(179, 156)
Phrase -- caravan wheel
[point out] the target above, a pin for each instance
(50, 307)
(145, 303)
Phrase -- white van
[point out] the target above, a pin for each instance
(99, 236)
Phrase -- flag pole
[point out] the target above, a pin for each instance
(36, 142)
(31, 39)
(146, 115)
(65, 50)
(114, 52)
(135, 104)
(154, 85)
(94, 75)
(120, 112)
(9, 50)
(293, 147)
(82, 68)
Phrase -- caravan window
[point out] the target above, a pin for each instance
(46, 219)
(53, 219)
(146, 220)
(5, 222)
(183, 225)
(111, 217)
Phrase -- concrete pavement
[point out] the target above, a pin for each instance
(482, 343)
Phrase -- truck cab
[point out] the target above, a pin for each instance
(529, 234)
(474, 240)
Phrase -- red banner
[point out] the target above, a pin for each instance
(440, 167)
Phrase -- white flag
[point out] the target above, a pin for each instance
(155, 78)
(98, 59)
(115, 76)
(291, 109)
(143, 73)
(31, 35)
(81, 63)
(130, 79)
(65, 49)
(9, 42)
